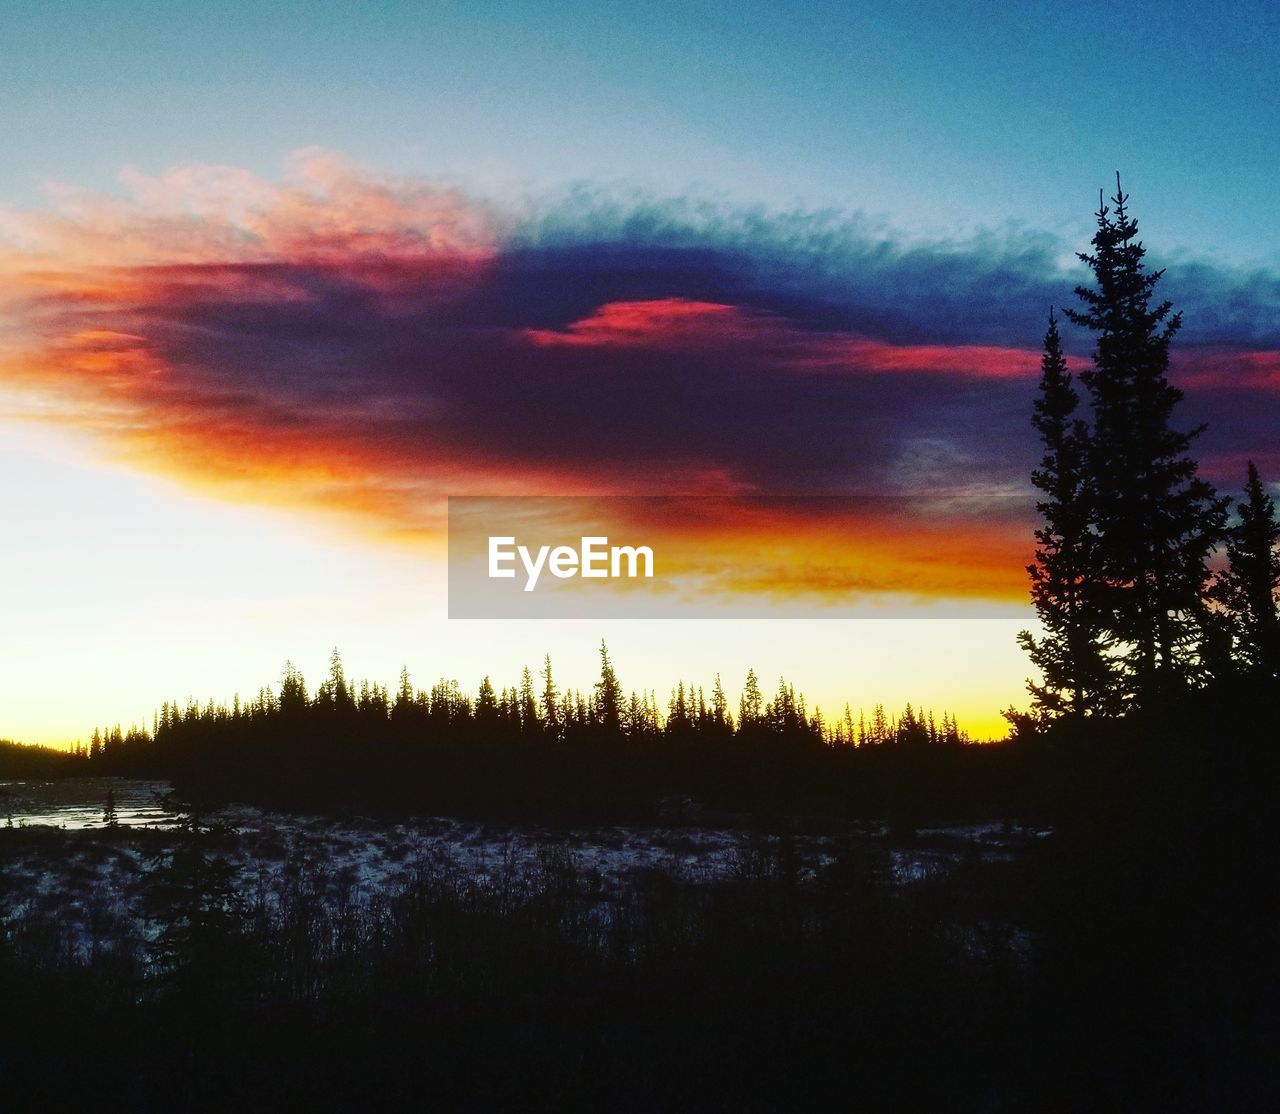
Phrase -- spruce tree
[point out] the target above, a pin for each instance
(751, 703)
(550, 700)
(338, 695)
(608, 695)
(879, 726)
(1248, 589)
(1156, 520)
(403, 707)
(719, 705)
(293, 690)
(110, 814)
(530, 720)
(486, 703)
(1071, 653)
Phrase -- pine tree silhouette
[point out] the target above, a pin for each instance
(486, 703)
(530, 719)
(1156, 520)
(1249, 588)
(550, 700)
(720, 715)
(608, 694)
(751, 703)
(1071, 655)
(110, 815)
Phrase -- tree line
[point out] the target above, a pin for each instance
(528, 711)
(1145, 585)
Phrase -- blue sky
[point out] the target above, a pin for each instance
(936, 114)
(175, 448)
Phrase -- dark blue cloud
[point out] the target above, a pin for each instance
(443, 375)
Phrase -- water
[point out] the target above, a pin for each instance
(78, 803)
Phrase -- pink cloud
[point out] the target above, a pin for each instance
(666, 323)
(326, 208)
(1228, 369)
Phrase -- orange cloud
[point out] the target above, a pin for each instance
(92, 277)
(840, 553)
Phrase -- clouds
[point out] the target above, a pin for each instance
(342, 341)
(324, 209)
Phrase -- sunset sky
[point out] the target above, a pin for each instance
(276, 281)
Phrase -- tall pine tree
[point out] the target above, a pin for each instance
(608, 695)
(1156, 520)
(550, 700)
(1071, 654)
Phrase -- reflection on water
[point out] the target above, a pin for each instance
(79, 802)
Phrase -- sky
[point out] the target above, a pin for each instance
(276, 279)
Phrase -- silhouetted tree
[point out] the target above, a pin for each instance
(1249, 588)
(530, 720)
(679, 721)
(1071, 653)
(912, 729)
(750, 703)
(335, 693)
(608, 694)
(879, 732)
(486, 704)
(293, 690)
(1156, 521)
(110, 816)
(721, 718)
(550, 700)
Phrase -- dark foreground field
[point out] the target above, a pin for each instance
(1120, 958)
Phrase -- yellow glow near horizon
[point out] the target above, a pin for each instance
(119, 591)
